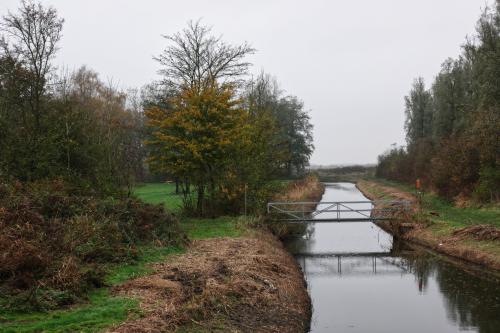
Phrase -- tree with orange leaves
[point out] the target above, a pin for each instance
(196, 139)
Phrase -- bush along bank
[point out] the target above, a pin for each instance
(56, 243)
(471, 233)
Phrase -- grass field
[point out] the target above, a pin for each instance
(162, 193)
(101, 311)
(224, 226)
(157, 193)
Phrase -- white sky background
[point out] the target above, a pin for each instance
(351, 62)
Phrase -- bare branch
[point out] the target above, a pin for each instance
(195, 58)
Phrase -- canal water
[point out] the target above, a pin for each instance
(361, 281)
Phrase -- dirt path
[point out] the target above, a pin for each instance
(248, 284)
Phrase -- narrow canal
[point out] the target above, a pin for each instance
(361, 281)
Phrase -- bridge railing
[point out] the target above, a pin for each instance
(336, 210)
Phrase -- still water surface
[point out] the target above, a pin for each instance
(360, 281)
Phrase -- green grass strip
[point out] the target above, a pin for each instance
(102, 309)
(455, 217)
(159, 193)
(224, 226)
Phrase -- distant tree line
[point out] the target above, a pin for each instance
(453, 128)
(347, 173)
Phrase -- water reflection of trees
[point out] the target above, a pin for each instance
(471, 301)
(416, 262)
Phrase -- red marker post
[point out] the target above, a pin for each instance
(418, 187)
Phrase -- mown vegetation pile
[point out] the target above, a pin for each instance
(247, 284)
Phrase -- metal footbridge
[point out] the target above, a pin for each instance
(338, 211)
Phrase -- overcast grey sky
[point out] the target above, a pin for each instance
(351, 62)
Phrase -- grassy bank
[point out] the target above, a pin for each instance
(101, 307)
(62, 248)
(233, 277)
(104, 307)
(469, 233)
(257, 283)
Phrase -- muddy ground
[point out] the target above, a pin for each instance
(459, 244)
(247, 284)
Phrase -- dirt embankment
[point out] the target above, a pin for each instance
(460, 243)
(247, 284)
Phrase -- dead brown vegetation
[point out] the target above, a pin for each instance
(224, 284)
(307, 189)
(55, 242)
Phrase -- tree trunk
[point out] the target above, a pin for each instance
(200, 199)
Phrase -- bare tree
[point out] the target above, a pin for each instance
(31, 37)
(261, 92)
(196, 59)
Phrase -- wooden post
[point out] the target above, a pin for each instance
(418, 187)
(246, 199)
